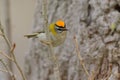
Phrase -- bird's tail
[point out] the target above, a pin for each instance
(31, 35)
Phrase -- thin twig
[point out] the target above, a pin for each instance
(56, 67)
(5, 55)
(79, 56)
(19, 68)
(7, 69)
(2, 70)
(109, 71)
(12, 52)
(94, 73)
(17, 65)
(13, 48)
(92, 76)
(4, 36)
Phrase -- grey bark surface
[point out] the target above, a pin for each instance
(90, 21)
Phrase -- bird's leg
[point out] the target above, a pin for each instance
(46, 42)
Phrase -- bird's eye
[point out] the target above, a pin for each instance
(59, 30)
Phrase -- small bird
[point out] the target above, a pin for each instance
(57, 33)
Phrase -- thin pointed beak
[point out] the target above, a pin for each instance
(64, 29)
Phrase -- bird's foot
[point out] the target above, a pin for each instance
(46, 42)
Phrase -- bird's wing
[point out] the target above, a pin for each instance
(33, 34)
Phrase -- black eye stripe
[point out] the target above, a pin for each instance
(58, 28)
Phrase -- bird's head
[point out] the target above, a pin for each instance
(60, 26)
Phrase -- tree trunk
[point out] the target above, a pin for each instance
(90, 22)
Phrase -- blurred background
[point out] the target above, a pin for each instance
(21, 18)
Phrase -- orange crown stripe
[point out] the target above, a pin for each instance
(60, 23)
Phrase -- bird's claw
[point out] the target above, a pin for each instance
(45, 42)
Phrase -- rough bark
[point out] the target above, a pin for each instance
(90, 21)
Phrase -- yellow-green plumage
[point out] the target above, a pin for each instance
(52, 29)
(56, 38)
